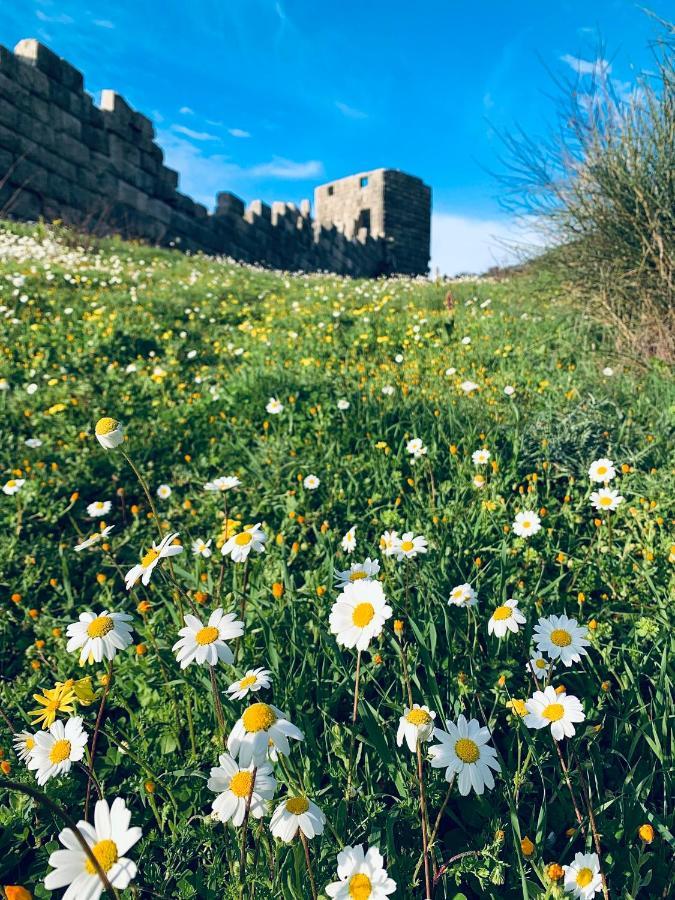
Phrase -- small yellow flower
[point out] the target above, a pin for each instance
(277, 590)
(527, 846)
(59, 699)
(555, 871)
(646, 833)
(518, 707)
(398, 627)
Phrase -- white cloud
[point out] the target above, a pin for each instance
(465, 244)
(186, 111)
(349, 111)
(104, 23)
(59, 19)
(287, 169)
(239, 133)
(195, 135)
(599, 68)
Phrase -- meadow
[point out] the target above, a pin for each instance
(439, 460)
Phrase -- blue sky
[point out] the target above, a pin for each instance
(267, 98)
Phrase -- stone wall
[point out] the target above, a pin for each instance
(100, 169)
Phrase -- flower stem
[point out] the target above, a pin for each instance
(305, 845)
(97, 728)
(423, 815)
(217, 705)
(146, 491)
(71, 823)
(244, 831)
(594, 830)
(566, 776)
(356, 686)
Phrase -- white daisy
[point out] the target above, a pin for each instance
(297, 813)
(99, 508)
(55, 750)
(548, 708)
(389, 542)
(274, 406)
(348, 542)
(33, 443)
(506, 618)
(608, 371)
(144, 569)
(109, 839)
(222, 484)
(362, 876)
(509, 390)
(388, 390)
(469, 386)
(365, 571)
(464, 751)
(409, 546)
(602, 470)
(462, 595)
(109, 433)
(24, 744)
(94, 538)
(526, 524)
(238, 547)
(480, 457)
(234, 785)
(359, 614)
(539, 666)
(202, 548)
(416, 448)
(164, 492)
(311, 482)
(254, 680)
(205, 644)
(416, 724)
(99, 637)
(343, 405)
(561, 638)
(478, 481)
(13, 486)
(583, 879)
(606, 500)
(260, 724)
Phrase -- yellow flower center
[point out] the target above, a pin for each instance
(106, 856)
(605, 501)
(418, 717)
(59, 752)
(584, 877)
(363, 614)
(502, 612)
(561, 638)
(207, 635)
(553, 712)
(357, 576)
(526, 523)
(359, 887)
(241, 783)
(100, 626)
(247, 682)
(258, 717)
(106, 425)
(29, 743)
(11, 483)
(243, 538)
(602, 470)
(297, 805)
(406, 546)
(540, 663)
(467, 750)
(149, 557)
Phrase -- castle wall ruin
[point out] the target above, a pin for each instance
(99, 168)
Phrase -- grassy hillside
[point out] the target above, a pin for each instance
(186, 352)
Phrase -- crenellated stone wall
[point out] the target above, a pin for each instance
(100, 169)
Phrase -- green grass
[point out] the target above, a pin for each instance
(107, 329)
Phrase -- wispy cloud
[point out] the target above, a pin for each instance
(104, 23)
(599, 68)
(58, 19)
(186, 111)
(194, 135)
(239, 132)
(350, 111)
(287, 169)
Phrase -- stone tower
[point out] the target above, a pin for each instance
(384, 203)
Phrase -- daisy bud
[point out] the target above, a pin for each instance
(527, 846)
(555, 872)
(109, 433)
(16, 892)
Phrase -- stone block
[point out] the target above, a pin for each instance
(229, 204)
(73, 150)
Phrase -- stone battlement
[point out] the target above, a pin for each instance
(99, 168)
